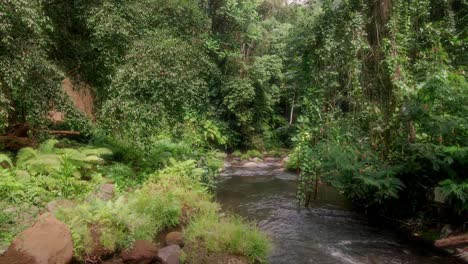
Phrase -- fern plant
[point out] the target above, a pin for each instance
(455, 193)
(4, 158)
(48, 159)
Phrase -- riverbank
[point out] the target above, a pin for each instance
(87, 214)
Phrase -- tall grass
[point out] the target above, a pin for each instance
(229, 234)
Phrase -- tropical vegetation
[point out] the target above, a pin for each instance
(368, 96)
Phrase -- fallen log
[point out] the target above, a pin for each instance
(452, 241)
(63, 132)
(12, 142)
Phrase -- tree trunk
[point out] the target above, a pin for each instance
(378, 86)
(291, 115)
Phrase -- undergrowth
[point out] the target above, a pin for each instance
(176, 193)
(229, 234)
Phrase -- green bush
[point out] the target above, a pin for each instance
(123, 175)
(252, 153)
(292, 163)
(168, 197)
(229, 234)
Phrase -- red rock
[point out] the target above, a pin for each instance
(143, 251)
(106, 192)
(48, 241)
(169, 254)
(175, 238)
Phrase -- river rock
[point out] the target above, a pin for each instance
(142, 252)
(106, 192)
(250, 165)
(169, 254)
(175, 238)
(48, 241)
(271, 159)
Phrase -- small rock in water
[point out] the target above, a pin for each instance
(48, 241)
(143, 251)
(175, 238)
(169, 254)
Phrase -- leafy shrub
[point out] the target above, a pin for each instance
(292, 162)
(237, 153)
(162, 149)
(6, 222)
(143, 213)
(277, 153)
(122, 175)
(14, 218)
(50, 160)
(18, 186)
(455, 193)
(123, 150)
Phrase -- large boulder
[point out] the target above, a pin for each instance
(142, 252)
(175, 238)
(169, 254)
(48, 241)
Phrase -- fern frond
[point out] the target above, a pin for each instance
(44, 163)
(5, 158)
(96, 152)
(22, 175)
(24, 155)
(451, 188)
(94, 159)
(73, 154)
(48, 146)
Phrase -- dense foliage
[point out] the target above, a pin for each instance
(152, 65)
(383, 115)
(371, 96)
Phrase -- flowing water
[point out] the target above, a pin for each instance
(328, 232)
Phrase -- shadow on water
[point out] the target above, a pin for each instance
(327, 232)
